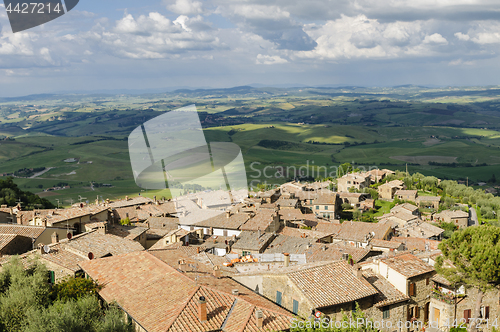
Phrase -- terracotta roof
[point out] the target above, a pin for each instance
(440, 279)
(287, 202)
(252, 240)
(453, 214)
(61, 215)
(428, 198)
(334, 252)
(139, 281)
(385, 244)
(5, 239)
(405, 206)
(289, 244)
(65, 258)
(328, 227)
(304, 233)
(387, 293)
(162, 222)
(408, 265)
(331, 284)
(28, 231)
(101, 244)
(406, 192)
(234, 221)
(412, 243)
(357, 231)
(315, 252)
(126, 232)
(130, 202)
(292, 214)
(261, 221)
(326, 199)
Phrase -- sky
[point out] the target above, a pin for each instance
(156, 44)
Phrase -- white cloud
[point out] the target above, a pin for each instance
(156, 37)
(462, 36)
(487, 38)
(460, 62)
(435, 38)
(186, 7)
(269, 60)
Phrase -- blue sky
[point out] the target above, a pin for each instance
(122, 44)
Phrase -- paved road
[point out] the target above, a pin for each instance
(473, 217)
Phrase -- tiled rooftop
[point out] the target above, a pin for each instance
(251, 240)
(357, 231)
(5, 239)
(138, 282)
(331, 284)
(126, 232)
(28, 231)
(303, 233)
(408, 265)
(412, 243)
(387, 293)
(261, 221)
(385, 244)
(232, 221)
(101, 244)
(130, 202)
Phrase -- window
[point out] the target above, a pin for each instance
(417, 312)
(295, 309)
(278, 297)
(310, 201)
(317, 207)
(413, 289)
(245, 253)
(467, 315)
(386, 313)
(427, 281)
(485, 312)
(224, 232)
(326, 207)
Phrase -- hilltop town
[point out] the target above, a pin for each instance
(298, 251)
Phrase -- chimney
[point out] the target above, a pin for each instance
(211, 231)
(197, 250)
(228, 214)
(235, 292)
(217, 272)
(323, 248)
(357, 270)
(101, 229)
(259, 316)
(126, 198)
(40, 249)
(55, 237)
(287, 259)
(202, 309)
(182, 265)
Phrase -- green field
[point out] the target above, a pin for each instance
(447, 133)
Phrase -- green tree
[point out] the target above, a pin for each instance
(344, 169)
(75, 288)
(475, 257)
(356, 214)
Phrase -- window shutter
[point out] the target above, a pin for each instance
(417, 312)
(412, 289)
(467, 313)
(487, 312)
(408, 314)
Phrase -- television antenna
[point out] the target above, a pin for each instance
(57, 199)
(81, 198)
